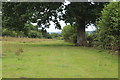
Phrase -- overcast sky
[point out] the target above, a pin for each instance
(52, 27)
(62, 23)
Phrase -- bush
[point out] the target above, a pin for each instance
(90, 39)
(20, 34)
(7, 32)
(34, 34)
(56, 36)
(69, 34)
(108, 27)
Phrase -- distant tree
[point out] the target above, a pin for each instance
(34, 34)
(28, 28)
(56, 36)
(45, 34)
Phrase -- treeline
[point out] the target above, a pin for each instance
(30, 31)
(107, 34)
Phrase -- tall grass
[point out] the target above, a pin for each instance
(23, 39)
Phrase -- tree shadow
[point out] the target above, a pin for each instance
(50, 45)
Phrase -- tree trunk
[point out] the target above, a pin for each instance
(81, 37)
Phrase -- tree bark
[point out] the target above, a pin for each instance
(81, 37)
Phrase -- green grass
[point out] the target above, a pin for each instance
(56, 59)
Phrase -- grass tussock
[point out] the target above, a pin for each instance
(19, 51)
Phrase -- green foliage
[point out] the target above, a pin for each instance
(34, 34)
(69, 34)
(91, 39)
(20, 34)
(32, 31)
(56, 36)
(82, 11)
(16, 14)
(45, 34)
(29, 31)
(7, 32)
(109, 28)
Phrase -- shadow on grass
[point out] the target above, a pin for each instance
(50, 45)
(53, 43)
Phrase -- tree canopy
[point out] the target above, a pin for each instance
(16, 14)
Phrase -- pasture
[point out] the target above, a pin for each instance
(47, 58)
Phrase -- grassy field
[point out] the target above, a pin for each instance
(42, 58)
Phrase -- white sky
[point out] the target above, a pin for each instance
(62, 23)
(52, 27)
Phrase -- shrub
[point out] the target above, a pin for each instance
(7, 32)
(108, 27)
(56, 36)
(34, 34)
(90, 39)
(69, 34)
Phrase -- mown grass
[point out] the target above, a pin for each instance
(45, 58)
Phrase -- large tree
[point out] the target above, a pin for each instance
(81, 14)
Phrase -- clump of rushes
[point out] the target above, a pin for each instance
(18, 52)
